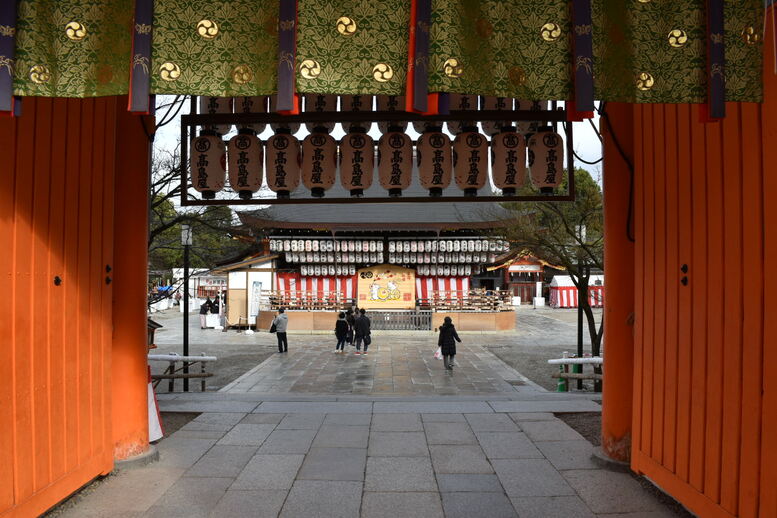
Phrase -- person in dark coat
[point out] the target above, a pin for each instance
(362, 332)
(447, 342)
(351, 320)
(204, 308)
(341, 332)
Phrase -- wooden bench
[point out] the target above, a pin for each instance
(175, 371)
(566, 375)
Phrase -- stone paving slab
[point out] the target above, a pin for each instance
(454, 483)
(399, 474)
(440, 407)
(268, 472)
(398, 444)
(401, 505)
(467, 505)
(336, 436)
(531, 477)
(307, 407)
(243, 434)
(301, 422)
(334, 464)
(222, 461)
(548, 405)
(323, 499)
(507, 445)
(287, 441)
(551, 507)
(566, 455)
(550, 431)
(253, 503)
(611, 492)
(190, 497)
(491, 423)
(459, 459)
(397, 423)
(449, 433)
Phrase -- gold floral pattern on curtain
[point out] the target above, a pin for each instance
(72, 48)
(643, 50)
(218, 48)
(360, 46)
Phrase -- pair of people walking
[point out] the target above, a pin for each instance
(354, 326)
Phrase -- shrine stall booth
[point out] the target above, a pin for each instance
(563, 292)
(408, 266)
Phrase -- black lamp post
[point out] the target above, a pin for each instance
(186, 241)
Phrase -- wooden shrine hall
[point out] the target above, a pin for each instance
(686, 93)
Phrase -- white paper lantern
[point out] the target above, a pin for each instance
(491, 128)
(528, 127)
(414, 246)
(434, 159)
(289, 244)
(462, 102)
(508, 161)
(320, 103)
(208, 162)
(214, 106)
(470, 162)
(317, 270)
(356, 103)
(380, 246)
(373, 246)
(395, 162)
(282, 164)
(249, 105)
(392, 246)
(314, 245)
(546, 155)
(319, 163)
(331, 269)
(357, 162)
(391, 103)
(456, 245)
(446, 271)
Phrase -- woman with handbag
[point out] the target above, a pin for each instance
(447, 342)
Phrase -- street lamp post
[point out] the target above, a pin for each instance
(186, 241)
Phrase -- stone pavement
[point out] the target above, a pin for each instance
(393, 366)
(314, 434)
(452, 457)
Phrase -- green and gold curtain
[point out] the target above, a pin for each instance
(644, 50)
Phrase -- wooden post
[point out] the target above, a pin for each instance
(619, 264)
(129, 370)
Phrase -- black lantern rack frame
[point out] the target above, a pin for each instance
(189, 124)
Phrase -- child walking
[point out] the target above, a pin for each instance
(341, 332)
(447, 342)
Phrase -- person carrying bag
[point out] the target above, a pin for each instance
(447, 342)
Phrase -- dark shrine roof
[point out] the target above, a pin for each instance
(380, 216)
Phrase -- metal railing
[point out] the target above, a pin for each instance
(400, 321)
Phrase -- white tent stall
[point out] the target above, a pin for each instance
(563, 292)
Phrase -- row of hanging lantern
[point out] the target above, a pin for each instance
(448, 245)
(326, 245)
(334, 257)
(441, 258)
(448, 270)
(327, 269)
(314, 162)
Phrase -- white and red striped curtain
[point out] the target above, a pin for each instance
(445, 287)
(288, 283)
(566, 297)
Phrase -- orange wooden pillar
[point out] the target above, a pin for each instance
(619, 268)
(129, 367)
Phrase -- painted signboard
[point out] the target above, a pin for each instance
(386, 287)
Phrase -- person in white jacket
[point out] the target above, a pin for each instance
(281, 322)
